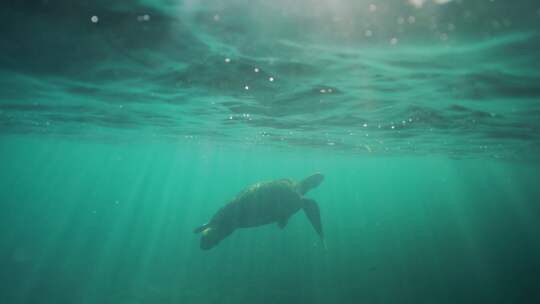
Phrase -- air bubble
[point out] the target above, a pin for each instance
(144, 17)
(417, 3)
(94, 19)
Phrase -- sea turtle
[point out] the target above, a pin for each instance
(260, 204)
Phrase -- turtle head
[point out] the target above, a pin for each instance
(212, 235)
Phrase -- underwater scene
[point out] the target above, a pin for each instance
(235, 151)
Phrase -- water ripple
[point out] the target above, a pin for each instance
(263, 76)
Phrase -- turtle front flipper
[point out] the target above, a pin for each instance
(311, 209)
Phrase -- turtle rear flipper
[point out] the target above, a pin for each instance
(310, 182)
(282, 222)
(311, 209)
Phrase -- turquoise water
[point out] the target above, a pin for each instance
(125, 125)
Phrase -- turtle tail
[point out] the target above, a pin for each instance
(310, 182)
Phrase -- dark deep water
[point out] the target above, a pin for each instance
(126, 124)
